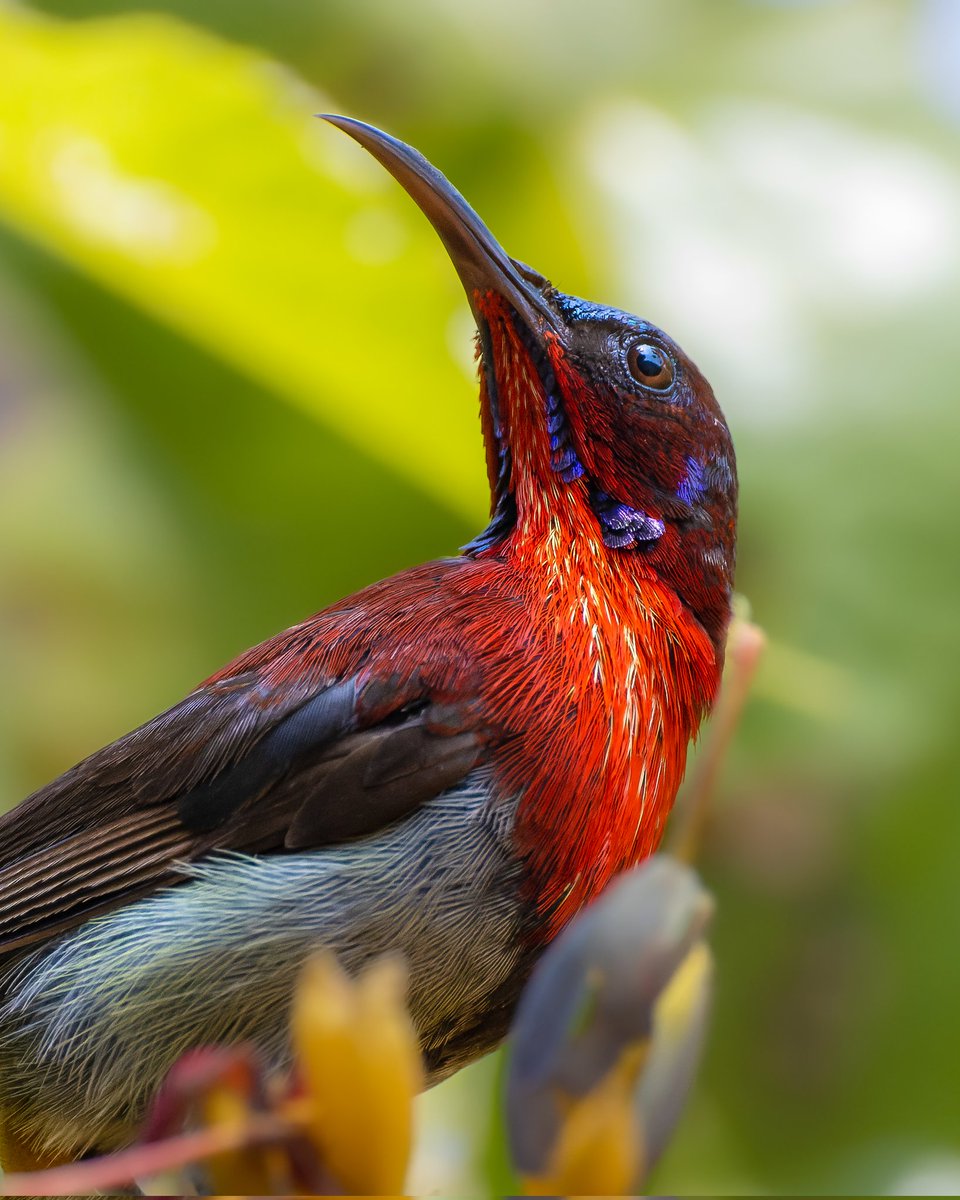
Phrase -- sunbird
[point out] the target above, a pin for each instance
(447, 765)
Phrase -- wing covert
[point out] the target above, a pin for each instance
(233, 767)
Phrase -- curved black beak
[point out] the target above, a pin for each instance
(480, 261)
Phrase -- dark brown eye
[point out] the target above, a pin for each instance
(650, 366)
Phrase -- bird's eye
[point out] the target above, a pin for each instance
(650, 366)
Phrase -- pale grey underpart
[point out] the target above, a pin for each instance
(90, 1026)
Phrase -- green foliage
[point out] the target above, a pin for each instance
(235, 384)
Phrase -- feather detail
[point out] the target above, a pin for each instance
(623, 672)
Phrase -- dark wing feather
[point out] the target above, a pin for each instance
(386, 774)
(236, 766)
(315, 724)
(213, 727)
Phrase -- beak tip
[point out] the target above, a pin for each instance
(347, 124)
(369, 136)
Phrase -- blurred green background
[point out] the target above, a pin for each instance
(236, 383)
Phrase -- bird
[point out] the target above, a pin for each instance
(447, 765)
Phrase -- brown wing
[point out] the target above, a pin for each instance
(237, 766)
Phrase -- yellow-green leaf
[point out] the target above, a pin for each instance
(192, 178)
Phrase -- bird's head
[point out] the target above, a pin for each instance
(597, 425)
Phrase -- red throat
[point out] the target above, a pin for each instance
(626, 676)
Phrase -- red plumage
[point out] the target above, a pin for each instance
(598, 763)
